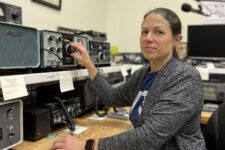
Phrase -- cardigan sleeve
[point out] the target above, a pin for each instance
(180, 100)
(120, 96)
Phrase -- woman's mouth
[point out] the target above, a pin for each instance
(149, 48)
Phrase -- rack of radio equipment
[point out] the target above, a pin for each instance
(51, 110)
(55, 48)
(93, 35)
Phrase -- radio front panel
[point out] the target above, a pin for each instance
(51, 49)
(99, 52)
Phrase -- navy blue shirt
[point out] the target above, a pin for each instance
(140, 98)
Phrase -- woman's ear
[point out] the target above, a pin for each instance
(177, 40)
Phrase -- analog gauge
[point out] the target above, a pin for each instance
(2, 12)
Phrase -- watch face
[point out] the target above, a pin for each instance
(90, 144)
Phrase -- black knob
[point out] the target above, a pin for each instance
(51, 38)
(220, 96)
(15, 14)
(69, 49)
(59, 50)
(59, 39)
(52, 49)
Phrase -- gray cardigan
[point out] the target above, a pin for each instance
(170, 118)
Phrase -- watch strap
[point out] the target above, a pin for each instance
(90, 144)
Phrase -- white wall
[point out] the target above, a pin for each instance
(75, 14)
(121, 19)
(125, 17)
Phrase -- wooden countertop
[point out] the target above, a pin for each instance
(205, 115)
(96, 129)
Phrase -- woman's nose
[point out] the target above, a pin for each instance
(149, 36)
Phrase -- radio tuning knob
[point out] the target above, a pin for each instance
(15, 15)
(59, 39)
(59, 50)
(220, 96)
(51, 38)
(52, 49)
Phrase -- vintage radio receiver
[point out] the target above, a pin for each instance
(57, 113)
(93, 35)
(19, 46)
(55, 49)
(46, 94)
(100, 52)
(214, 91)
(11, 123)
(10, 13)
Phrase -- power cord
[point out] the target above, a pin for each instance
(69, 121)
(53, 53)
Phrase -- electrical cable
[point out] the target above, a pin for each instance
(70, 123)
(53, 54)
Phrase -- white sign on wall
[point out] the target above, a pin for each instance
(217, 11)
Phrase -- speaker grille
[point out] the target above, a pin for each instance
(19, 46)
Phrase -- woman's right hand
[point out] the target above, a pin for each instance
(84, 59)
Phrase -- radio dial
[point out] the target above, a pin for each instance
(100, 56)
(69, 49)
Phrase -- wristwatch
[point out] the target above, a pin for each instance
(90, 144)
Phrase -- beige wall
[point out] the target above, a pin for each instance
(75, 14)
(125, 17)
(121, 19)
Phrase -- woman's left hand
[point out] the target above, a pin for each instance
(68, 143)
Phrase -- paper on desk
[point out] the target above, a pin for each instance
(123, 71)
(95, 117)
(78, 130)
(13, 87)
(204, 72)
(66, 81)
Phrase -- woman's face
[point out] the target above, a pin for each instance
(156, 39)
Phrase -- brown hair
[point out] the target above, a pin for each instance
(174, 21)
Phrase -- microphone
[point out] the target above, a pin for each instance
(187, 8)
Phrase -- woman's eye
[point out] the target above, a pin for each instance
(144, 32)
(159, 32)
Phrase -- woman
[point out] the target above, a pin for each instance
(165, 95)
